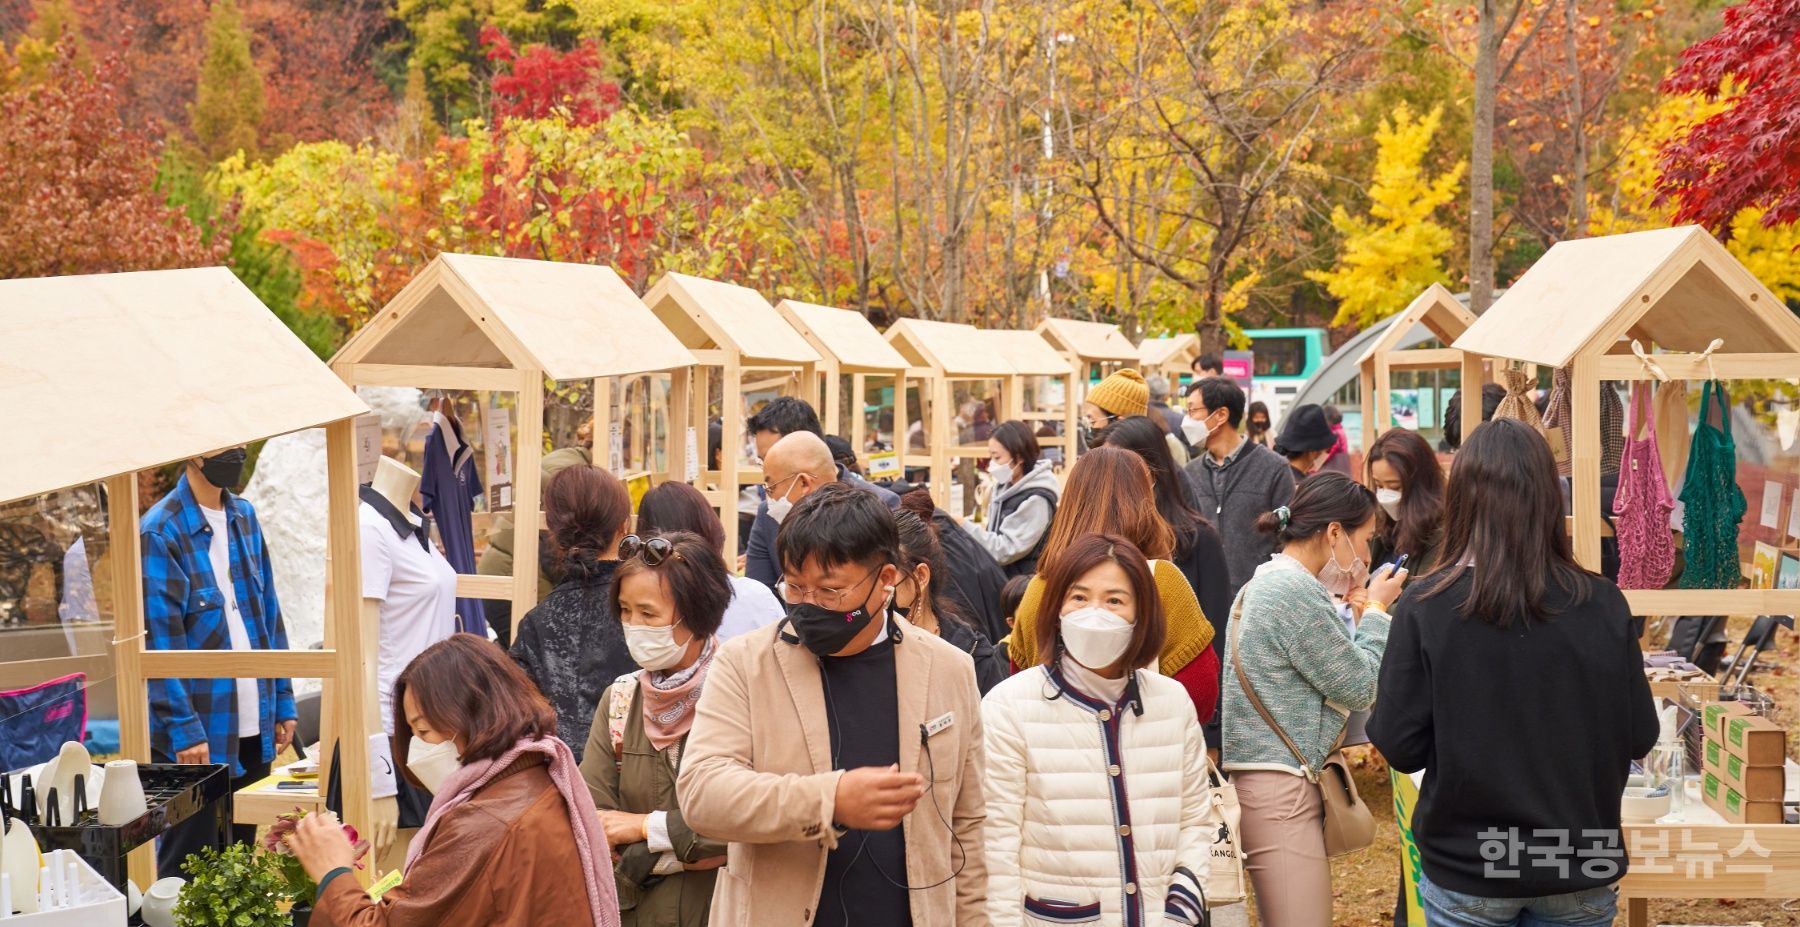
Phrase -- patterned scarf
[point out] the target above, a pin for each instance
(669, 700)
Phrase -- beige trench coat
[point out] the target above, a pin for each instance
(758, 775)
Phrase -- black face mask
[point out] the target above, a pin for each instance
(826, 631)
(225, 468)
(1095, 438)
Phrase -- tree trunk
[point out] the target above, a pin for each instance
(1578, 167)
(1481, 161)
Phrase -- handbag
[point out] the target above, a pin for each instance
(1349, 825)
(1643, 503)
(1225, 868)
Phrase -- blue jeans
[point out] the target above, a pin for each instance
(1595, 907)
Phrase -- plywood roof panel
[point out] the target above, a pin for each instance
(1677, 287)
(1155, 352)
(734, 317)
(1090, 341)
(955, 349)
(845, 335)
(1028, 353)
(110, 373)
(1436, 308)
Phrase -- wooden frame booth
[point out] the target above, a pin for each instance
(1094, 349)
(117, 373)
(945, 355)
(1674, 291)
(742, 348)
(472, 322)
(1173, 357)
(1439, 311)
(1039, 367)
(850, 346)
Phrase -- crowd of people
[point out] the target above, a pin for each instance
(898, 717)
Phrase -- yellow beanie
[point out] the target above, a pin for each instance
(1123, 394)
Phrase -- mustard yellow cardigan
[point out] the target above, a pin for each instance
(1189, 631)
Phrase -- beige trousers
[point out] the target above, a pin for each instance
(1284, 848)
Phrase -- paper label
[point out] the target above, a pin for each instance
(1771, 504)
(1793, 522)
(615, 444)
(368, 445)
(884, 464)
(384, 884)
(497, 429)
(693, 454)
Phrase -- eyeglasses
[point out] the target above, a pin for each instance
(769, 488)
(654, 550)
(828, 599)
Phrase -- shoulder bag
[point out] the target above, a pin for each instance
(1349, 825)
(1225, 867)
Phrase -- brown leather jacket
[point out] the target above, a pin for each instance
(504, 858)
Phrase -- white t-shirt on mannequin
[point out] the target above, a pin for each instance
(417, 590)
(249, 701)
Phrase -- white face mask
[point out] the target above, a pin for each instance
(431, 764)
(779, 508)
(1095, 637)
(654, 648)
(1002, 473)
(1195, 430)
(1389, 500)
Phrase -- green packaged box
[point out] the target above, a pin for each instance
(1758, 741)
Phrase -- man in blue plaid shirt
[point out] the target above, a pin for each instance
(208, 585)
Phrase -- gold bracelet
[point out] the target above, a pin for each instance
(1375, 605)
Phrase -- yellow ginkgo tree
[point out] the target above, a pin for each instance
(1397, 250)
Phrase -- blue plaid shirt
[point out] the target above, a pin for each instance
(184, 609)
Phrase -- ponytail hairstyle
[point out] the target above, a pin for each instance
(1323, 499)
(919, 544)
(586, 509)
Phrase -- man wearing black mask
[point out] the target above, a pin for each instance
(208, 585)
(821, 735)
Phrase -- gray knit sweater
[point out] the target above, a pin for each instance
(1307, 669)
(1235, 493)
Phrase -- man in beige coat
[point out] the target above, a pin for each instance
(839, 751)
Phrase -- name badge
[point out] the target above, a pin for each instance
(941, 722)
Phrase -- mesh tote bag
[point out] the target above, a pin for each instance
(1713, 503)
(1643, 502)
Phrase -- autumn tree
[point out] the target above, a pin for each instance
(1744, 156)
(228, 104)
(79, 185)
(445, 43)
(1396, 251)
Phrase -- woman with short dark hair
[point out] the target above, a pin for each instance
(511, 839)
(1307, 671)
(1096, 775)
(670, 594)
(570, 643)
(673, 506)
(1025, 495)
(1513, 679)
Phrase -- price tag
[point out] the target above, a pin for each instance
(383, 885)
(693, 454)
(884, 464)
(368, 445)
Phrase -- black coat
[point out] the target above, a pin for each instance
(571, 645)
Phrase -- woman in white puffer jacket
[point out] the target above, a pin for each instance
(1096, 767)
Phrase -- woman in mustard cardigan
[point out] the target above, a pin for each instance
(1108, 493)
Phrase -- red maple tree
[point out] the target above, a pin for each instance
(79, 185)
(1747, 156)
(534, 83)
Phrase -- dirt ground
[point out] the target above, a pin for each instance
(1365, 883)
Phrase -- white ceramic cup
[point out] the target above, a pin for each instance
(121, 794)
(159, 902)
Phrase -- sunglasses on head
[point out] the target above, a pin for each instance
(654, 550)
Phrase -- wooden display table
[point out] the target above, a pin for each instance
(262, 801)
(1706, 857)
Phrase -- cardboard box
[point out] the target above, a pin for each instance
(1759, 741)
(1713, 754)
(1713, 716)
(1738, 810)
(1754, 783)
(1712, 791)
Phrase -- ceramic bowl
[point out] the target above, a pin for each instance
(1641, 805)
(159, 902)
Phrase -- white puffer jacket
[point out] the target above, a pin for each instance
(1094, 811)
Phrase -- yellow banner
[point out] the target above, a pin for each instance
(1406, 797)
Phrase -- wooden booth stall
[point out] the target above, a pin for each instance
(953, 368)
(1674, 291)
(472, 322)
(1047, 392)
(745, 355)
(111, 374)
(1172, 356)
(1094, 349)
(850, 348)
(1439, 311)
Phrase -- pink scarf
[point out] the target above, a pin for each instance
(590, 840)
(669, 712)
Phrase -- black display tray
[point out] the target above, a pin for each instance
(174, 793)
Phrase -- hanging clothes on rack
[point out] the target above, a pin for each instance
(1518, 402)
(1714, 505)
(1643, 502)
(1560, 417)
(449, 486)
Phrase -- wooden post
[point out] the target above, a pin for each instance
(1365, 378)
(1383, 381)
(1474, 378)
(528, 477)
(602, 420)
(353, 682)
(1585, 472)
(939, 441)
(898, 434)
(732, 442)
(128, 644)
(859, 423)
(680, 384)
(834, 419)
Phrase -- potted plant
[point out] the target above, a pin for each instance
(237, 887)
(295, 882)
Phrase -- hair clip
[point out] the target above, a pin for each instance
(1282, 514)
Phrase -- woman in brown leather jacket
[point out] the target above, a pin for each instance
(508, 805)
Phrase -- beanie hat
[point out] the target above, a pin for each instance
(1305, 429)
(1123, 394)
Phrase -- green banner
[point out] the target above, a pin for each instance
(1406, 796)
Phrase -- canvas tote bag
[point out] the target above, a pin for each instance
(1225, 870)
(1349, 825)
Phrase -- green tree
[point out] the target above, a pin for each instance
(1397, 249)
(228, 104)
